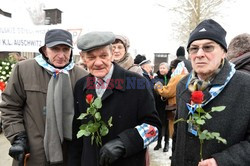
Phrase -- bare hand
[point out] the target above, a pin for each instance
(208, 162)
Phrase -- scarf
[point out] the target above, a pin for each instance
(59, 110)
(126, 61)
(194, 83)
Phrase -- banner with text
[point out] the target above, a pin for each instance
(28, 39)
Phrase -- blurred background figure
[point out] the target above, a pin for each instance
(81, 64)
(160, 104)
(176, 72)
(139, 58)
(180, 53)
(121, 55)
(17, 57)
(239, 52)
(147, 69)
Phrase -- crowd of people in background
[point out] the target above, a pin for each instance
(45, 97)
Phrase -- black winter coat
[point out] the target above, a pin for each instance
(233, 123)
(159, 103)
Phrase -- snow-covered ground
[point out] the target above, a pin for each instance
(158, 157)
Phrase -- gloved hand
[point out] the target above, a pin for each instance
(111, 151)
(19, 147)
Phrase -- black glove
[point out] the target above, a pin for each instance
(19, 147)
(111, 151)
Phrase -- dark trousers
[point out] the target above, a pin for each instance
(165, 129)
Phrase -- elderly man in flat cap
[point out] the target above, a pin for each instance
(135, 123)
(37, 107)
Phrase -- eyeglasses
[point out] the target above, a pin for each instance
(206, 48)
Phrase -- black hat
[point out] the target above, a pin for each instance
(209, 29)
(94, 40)
(180, 51)
(57, 36)
(139, 58)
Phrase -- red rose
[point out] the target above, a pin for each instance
(89, 98)
(197, 97)
(2, 85)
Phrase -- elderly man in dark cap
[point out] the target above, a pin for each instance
(37, 107)
(135, 123)
(218, 84)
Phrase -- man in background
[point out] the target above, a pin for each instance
(239, 52)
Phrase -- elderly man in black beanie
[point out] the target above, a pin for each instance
(180, 53)
(219, 85)
(37, 107)
(135, 122)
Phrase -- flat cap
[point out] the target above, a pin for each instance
(94, 40)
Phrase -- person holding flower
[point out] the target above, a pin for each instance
(168, 92)
(37, 103)
(213, 103)
(119, 121)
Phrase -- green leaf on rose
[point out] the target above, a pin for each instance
(104, 130)
(220, 139)
(110, 122)
(92, 138)
(208, 116)
(97, 103)
(91, 110)
(98, 116)
(82, 116)
(83, 132)
(200, 121)
(93, 127)
(202, 136)
(218, 109)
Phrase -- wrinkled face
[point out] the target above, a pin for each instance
(163, 69)
(98, 61)
(118, 51)
(206, 56)
(58, 55)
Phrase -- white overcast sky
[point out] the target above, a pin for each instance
(146, 24)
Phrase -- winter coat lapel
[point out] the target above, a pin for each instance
(89, 85)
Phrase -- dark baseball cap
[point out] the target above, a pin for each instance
(57, 36)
